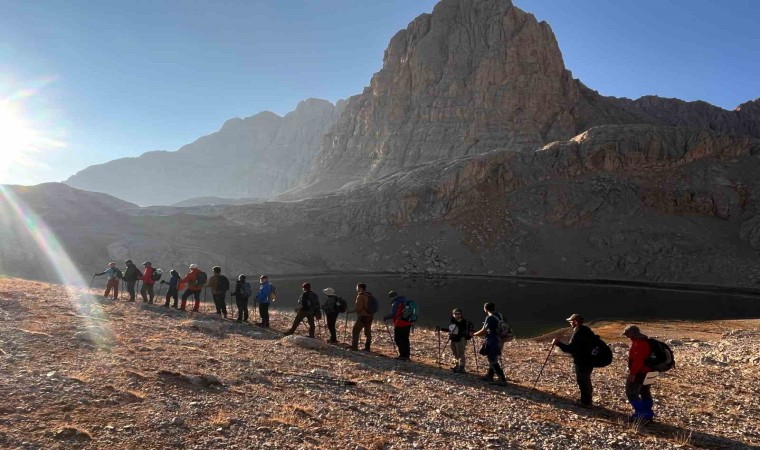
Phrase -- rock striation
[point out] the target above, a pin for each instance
(257, 157)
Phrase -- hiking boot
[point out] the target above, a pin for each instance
(486, 378)
(402, 358)
(354, 348)
(333, 341)
(498, 382)
(287, 333)
(239, 321)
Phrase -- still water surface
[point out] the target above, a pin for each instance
(531, 307)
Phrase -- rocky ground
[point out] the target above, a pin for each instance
(78, 373)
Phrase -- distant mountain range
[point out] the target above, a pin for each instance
(473, 150)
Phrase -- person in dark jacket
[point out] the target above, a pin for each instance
(242, 294)
(218, 291)
(579, 346)
(401, 328)
(308, 306)
(460, 331)
(131, 275)
(330, 306)
(173, 291)
(492, 345)
(264, 298)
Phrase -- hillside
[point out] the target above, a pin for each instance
(131, 376)
(257, 156)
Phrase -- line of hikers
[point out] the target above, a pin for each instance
(647, 357)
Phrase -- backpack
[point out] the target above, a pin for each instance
(200, 279)
(245, 289)
(222, 284)
(372, 305)
(340, 305)
(410, 311)
(470, 330)
(272, 293)
(118, 273)
(600, 353)
(504, 330)
(156, 275)
(661, 359)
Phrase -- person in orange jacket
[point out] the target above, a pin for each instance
(195, 279)
(639, 395)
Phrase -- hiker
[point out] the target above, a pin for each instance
(131, 275)
(242, 294)
(639, 395)
(579, 346)
(401, 328)
(492, 345)
(460, 331)
(173, 291)
(219, 285)
(308, 307)
(114, 275)
(147, 286)
(332, 306)
(265, 296)
(365, 309)
(195, 280)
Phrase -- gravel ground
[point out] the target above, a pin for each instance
(78, 373)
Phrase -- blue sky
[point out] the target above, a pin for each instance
(100, 80)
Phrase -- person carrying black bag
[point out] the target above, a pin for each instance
(333, 306)
(309, 305)
(580, 347)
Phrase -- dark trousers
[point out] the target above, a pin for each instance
(146, 291)
(365, 323)
(331, 319)
(172, 293)
(196, 295)
(495, 368)
(264, 313)
(219, 302)
(583, 378)
(299, 318)
(401, 337)
(131, 289)
(242, 305)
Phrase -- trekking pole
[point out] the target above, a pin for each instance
(475, 353)
(442, 349)
(345, 329)
(160, 286)
(91, 283)
(542, 367)
(438, 360)
(393, 343)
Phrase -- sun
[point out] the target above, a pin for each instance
(21, 143)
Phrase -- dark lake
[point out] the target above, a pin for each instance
(531, 307)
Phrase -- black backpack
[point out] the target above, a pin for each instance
(200, 279)
(118, 273)
(156, 275)
(222, 284)
(600, 354)
(372, 305)
(340, 305)
(661, 359)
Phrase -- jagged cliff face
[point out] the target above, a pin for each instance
(259, 157)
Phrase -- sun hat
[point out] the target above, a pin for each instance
(329, 291)
(577, 317)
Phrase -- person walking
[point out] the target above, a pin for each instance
(401, 328)
(131, 275)
(264, 298)
(460, 331)
(146, 291)
(365, 308)
(219, 285)
(195, 279)
(332, 306)
(173, 291)
(308, 306)
(112, 283)
(492, 345)
(580, 344)
(639, 395)
(242, 294)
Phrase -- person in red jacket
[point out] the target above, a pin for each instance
(401, 327)
(194, 287)
(639, 395)
(147, 287)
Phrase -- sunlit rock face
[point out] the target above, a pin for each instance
(474, 76)
(255, 157)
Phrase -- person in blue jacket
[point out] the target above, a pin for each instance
(491, 348)
(264, 297)
(173, 291)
